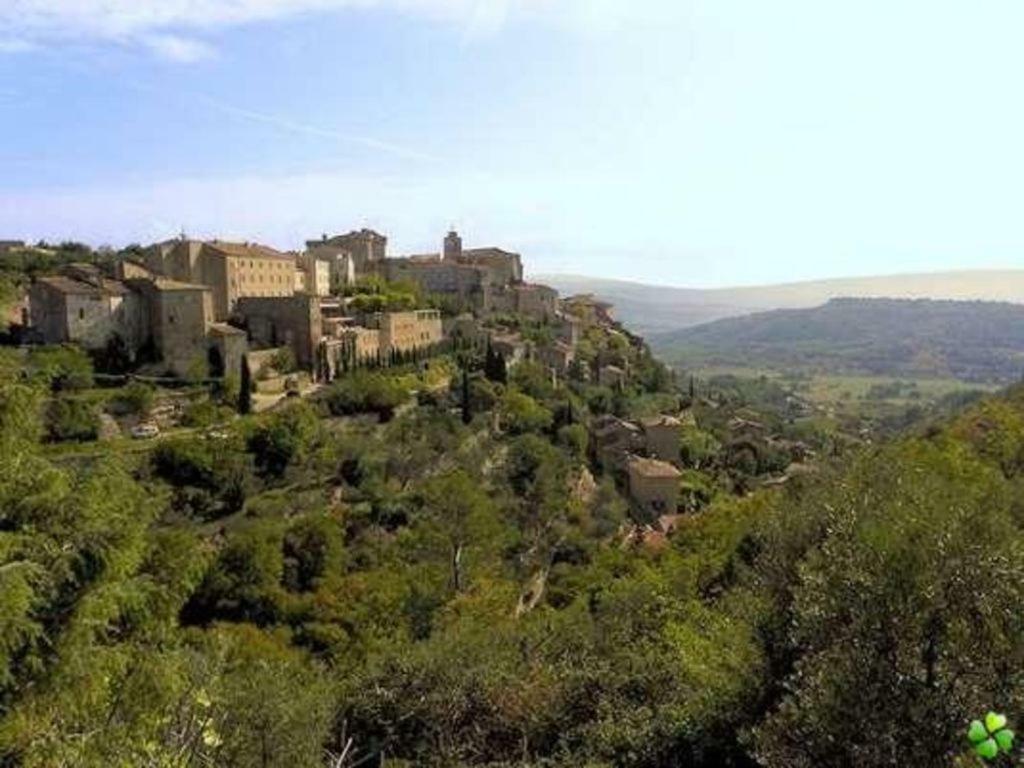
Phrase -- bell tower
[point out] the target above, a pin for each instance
(452, 246)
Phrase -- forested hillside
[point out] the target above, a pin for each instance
(439, 587)
(971, 341)
(650, 309)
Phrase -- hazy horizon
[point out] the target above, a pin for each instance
(979, 271)
(704, 142)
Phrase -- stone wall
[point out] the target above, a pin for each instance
(292, 321)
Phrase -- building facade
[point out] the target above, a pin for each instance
(231, 270)
(662, 435)
(653, 487)
(365, 249)
(83, 310)
(284, 321)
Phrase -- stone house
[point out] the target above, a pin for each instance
(653, 487)
(83, 308)
(569, 328)
(177, 318)
(611, 376)
(511, 347)
(558, 356)
(612, 441)
(231, 344)
(661, 437)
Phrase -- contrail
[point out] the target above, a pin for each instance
(314, 130)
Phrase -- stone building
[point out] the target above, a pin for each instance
(557, 356)
(482, 278)
(83, 308)
(405, 331)
(589, 310)
(347, 346)
(316, 275)
(536, 301)
(569, 328)
(341, 264)
(365, 250)
(661, 436)
(284, 321)
(653, 487)
(611, 376)
(231, 345)
(511, 346)
(231, 270)
(177, 317)
(465, 283)
(500, 267)
(613, 440)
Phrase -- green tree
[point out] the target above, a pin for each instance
(245, 387)
(521, 414)
(905, 618)
(466, 401)
(285, 438)
(460, 517)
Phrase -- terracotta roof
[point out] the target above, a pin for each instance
(166, 284)
(484, 252)
(652, 468)
(71, 286)
(248, 250)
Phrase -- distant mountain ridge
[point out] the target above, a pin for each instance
(651, 309)
(969, 340)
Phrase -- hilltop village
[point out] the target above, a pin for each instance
(290, 323)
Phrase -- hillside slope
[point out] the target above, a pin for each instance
(973, 341)
(654, 309)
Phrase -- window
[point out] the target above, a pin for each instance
(81, 314)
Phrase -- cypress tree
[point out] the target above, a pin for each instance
(245, 388)
(500, 368)
(467, 411)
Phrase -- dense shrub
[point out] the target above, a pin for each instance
(366, 392)
(71, 418)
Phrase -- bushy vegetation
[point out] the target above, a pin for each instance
(367, 392)
(291, 588)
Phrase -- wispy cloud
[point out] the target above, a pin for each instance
(293, 126)
(169, 27)
(179, 49)
(15, 45)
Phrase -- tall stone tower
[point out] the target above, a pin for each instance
(452, 246)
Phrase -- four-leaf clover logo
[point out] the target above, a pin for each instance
(991, 737)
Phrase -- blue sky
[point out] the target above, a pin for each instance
(685, 142)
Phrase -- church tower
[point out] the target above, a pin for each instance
(452, 246)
